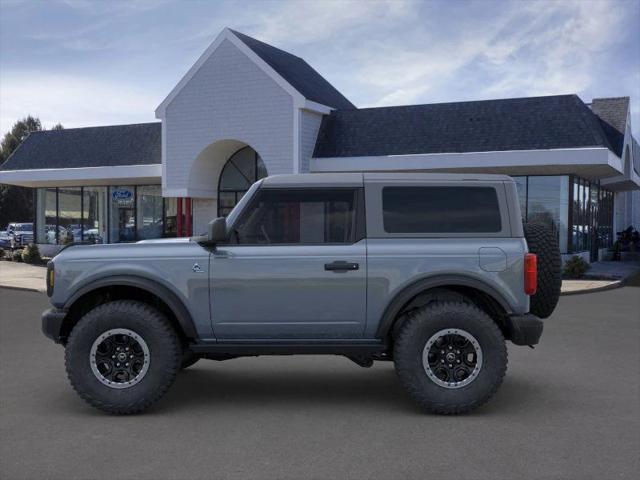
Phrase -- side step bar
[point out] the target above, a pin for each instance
(291, 347)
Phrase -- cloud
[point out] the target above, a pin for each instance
(534, 48)
(376, 52)
(129, 7)
(72, 100)
(296, 22)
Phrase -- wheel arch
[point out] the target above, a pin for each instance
(132, 287)
(479, 292)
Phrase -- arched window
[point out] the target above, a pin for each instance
(243, 168)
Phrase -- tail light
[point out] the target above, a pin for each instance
(530, 273)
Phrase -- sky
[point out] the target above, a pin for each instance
(86, 63)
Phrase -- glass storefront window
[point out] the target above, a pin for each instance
(94, 214)
(580, 227)
(69, 215)
(103, 214)
(122, 218)
(46, 216)
(149, 212)
(521, 185)
(592, 217)
(579, 211)
(170, 217)
(575, 236)
(605, 219)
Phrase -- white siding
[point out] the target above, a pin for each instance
(309, 126)
(228, 98)
(204, 210)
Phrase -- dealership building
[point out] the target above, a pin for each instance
(246, 110)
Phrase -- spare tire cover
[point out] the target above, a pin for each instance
(544, 244)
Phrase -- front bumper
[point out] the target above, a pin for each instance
(52, 320)
(524, 329)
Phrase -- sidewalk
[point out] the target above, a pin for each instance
(22, 276)
(601, 276)
(613, 270)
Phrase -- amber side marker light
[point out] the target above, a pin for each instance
(51, 275)
(530, 273)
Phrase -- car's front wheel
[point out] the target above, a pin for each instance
(450, 356)
(122, 356)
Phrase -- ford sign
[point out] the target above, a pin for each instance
(121, 194)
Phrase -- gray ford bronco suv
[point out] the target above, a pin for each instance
(431, 271)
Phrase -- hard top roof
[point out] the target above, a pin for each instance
(357, 179)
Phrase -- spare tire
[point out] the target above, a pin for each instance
(544, 244)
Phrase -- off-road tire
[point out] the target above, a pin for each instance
(412, 337)
(188, 359)
(544, 244)
(165, 356)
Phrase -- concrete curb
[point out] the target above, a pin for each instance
(26, 289)
(612, 286)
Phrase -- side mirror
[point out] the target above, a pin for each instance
(218, 230)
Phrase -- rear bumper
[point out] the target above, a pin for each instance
(524, 329)
(52, 324)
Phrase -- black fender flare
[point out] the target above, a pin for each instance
(448, 280)
(165, 294)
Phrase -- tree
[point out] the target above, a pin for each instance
(16, 203)
(17, 134)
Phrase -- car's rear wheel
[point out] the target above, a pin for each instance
(122, 356)
(451, 357)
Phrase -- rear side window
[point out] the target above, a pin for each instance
(441, 210)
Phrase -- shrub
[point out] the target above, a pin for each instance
(16, 256)
(1, 253)
(575, 267)
(31, 254)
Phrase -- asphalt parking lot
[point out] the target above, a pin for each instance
(570, 409)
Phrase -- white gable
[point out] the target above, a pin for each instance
(228, 35)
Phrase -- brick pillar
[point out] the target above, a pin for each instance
(187, 216)
(179, 218)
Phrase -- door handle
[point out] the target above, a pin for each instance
(341, 266)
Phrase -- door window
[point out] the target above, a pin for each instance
(304, 216)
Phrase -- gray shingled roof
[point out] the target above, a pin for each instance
(89, 147)
(298, 73)
(613, 115)
(533, 123)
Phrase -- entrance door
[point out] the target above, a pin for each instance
(122, 218)
(296, 268)
(126, 224)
